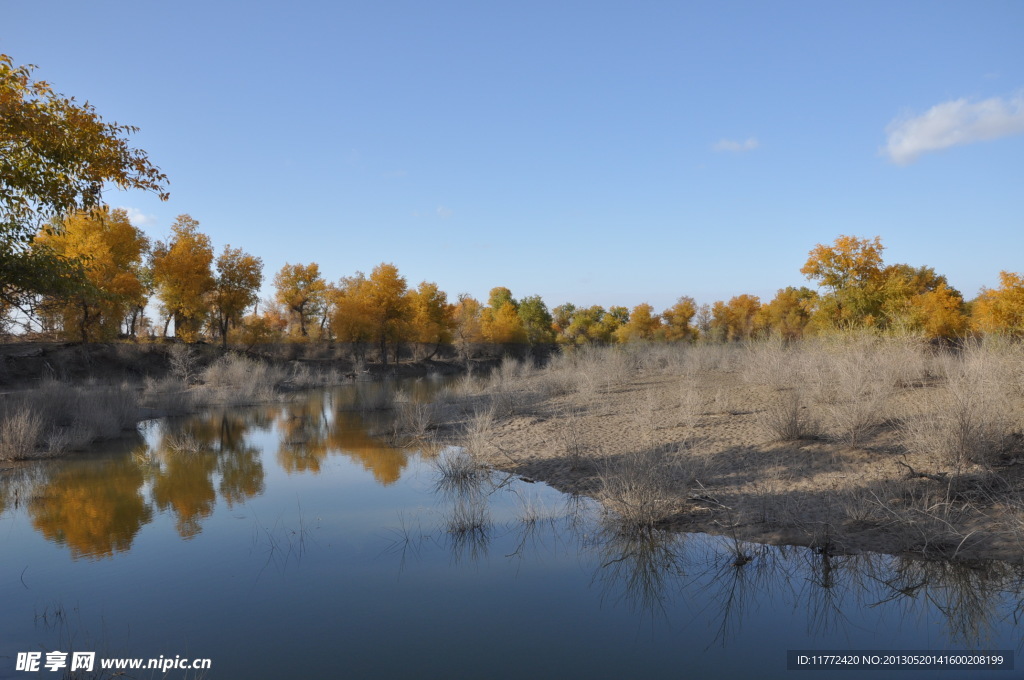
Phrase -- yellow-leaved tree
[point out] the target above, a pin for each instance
(788, 315)
(351, 321)
(239, 277)
(1001, 310)
(736, 319)
(302, 290)
(388, 307)
(499, 321)
(430, 317)
(110, 251)
(466, 320)
(677, 320)
(183, 277)
(851, 270)
(56, 154)
(643, 324)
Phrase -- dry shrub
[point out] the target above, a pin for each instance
(184, 362)
(238, 380)
(570, 437)
(20, 432)
(970, 420)
(479, 431)
(458, 469)
(771, 362)
(642, 487)
(59, 416)
(788, 418)
(853, 382)
(167, 395)
(416, 418)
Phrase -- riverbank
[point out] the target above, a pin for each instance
(59, 398)
(845, 445)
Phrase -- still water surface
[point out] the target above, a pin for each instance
(296, 541)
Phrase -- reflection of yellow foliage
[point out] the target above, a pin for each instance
(349, 436)
(184, 486)
(309, 436)
(93, 508)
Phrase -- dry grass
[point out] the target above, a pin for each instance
(59, 417)
(787, 440)
(642, 488)
(788, 418)
(20, 432)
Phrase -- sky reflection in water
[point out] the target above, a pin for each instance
(298, 541)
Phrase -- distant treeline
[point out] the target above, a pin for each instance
(118, 271)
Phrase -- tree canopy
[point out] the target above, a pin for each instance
(55, 156)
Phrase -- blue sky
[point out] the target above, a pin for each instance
(590, 152)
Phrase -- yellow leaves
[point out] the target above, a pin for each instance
(351, 318)
(111, 252)
(1001, 310)
(466, 320)
(239, 276)
(56, 156)
(849, 261)
(302, 290)
(643, 324)
(736, 319)
(431, 315)
(502, 326)
(677, 320)
(182, 275)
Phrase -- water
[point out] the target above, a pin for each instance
(295, 541)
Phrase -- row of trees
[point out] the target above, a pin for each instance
(117, 271)
(76, 267)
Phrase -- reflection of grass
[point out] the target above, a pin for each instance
(283, 544)
(643, 565)
(458, 470)
(468, 527)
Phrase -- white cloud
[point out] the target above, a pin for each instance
(749, 144)
(443, 212)
(139, 218)
(953, 123)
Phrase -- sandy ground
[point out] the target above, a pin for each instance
(731, 476)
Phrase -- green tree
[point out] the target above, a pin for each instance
(536, 320)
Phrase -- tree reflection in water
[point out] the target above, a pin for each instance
(95, 508)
